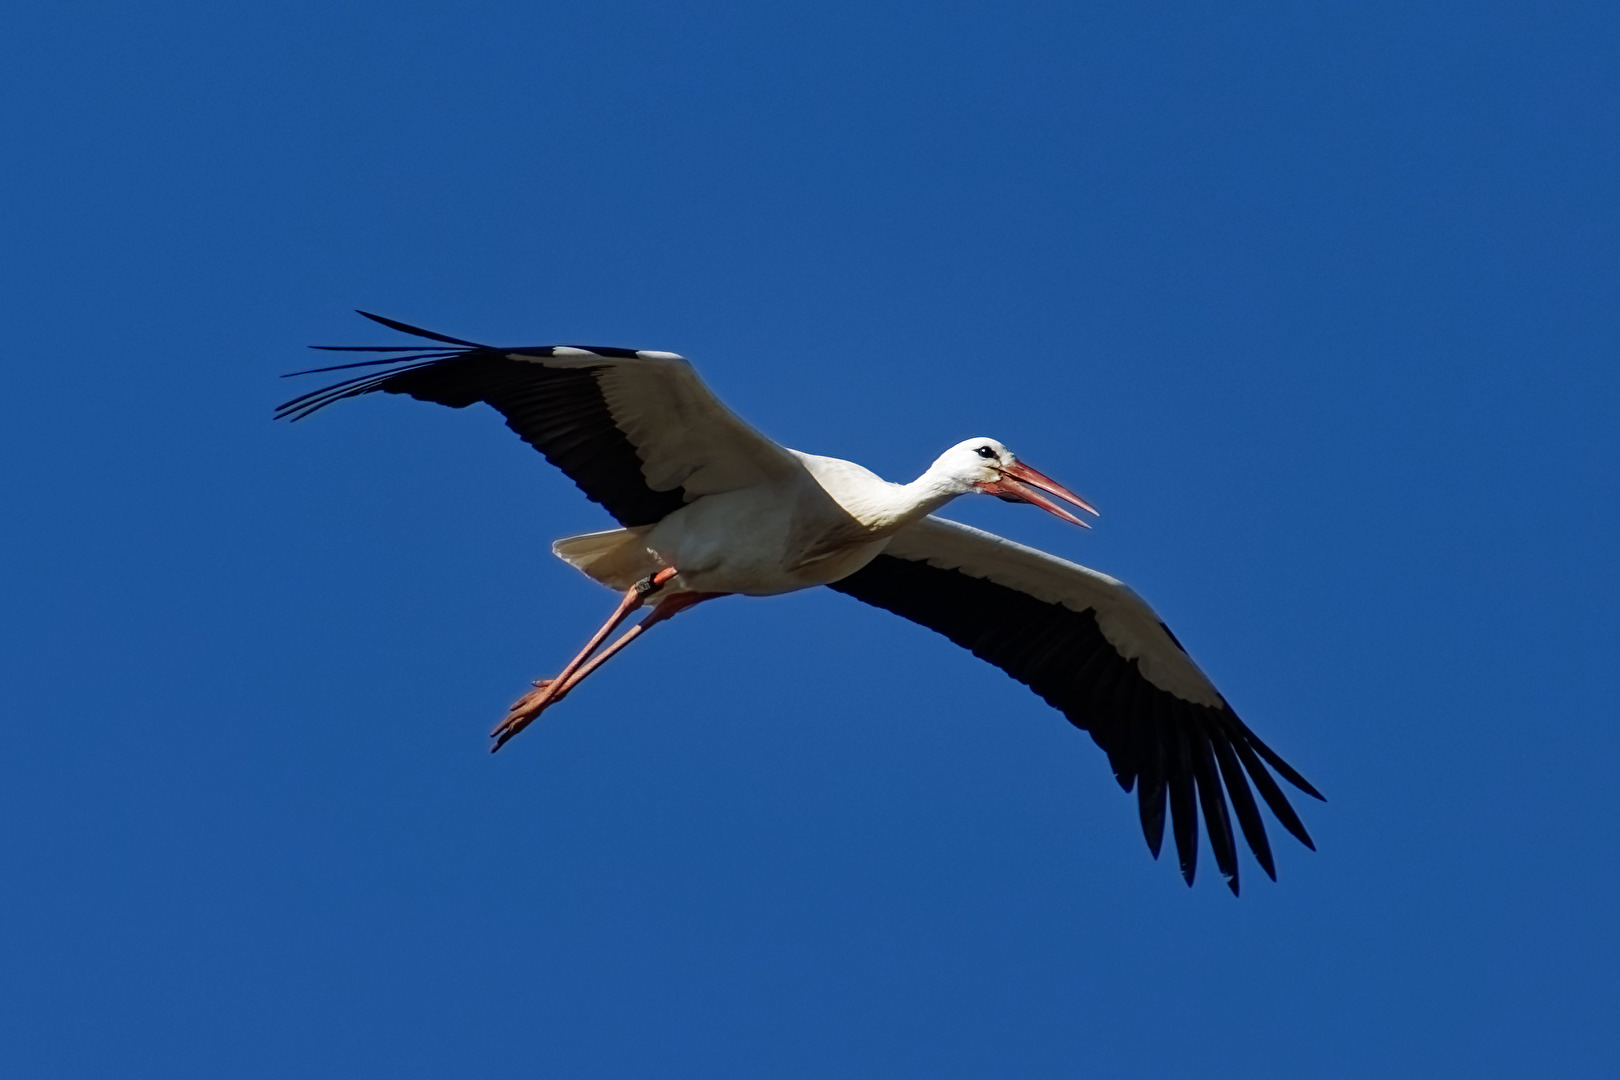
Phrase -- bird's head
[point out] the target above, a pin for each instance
(986, 466)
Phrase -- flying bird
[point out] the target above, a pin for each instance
(709, 507)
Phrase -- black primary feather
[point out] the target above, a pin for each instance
(1178, 755)
(559, 411)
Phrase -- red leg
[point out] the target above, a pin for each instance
(529, 705)
(554, 690)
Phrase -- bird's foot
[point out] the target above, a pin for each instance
(524, 711)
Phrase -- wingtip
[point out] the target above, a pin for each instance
(1291, 774)
(1284, 770)
(1150, 799)
(1153, 833)
(407, 328)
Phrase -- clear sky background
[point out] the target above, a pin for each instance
(1317, 302)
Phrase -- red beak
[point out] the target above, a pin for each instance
(1020, 483)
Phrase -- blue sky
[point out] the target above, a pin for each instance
(1317, 302)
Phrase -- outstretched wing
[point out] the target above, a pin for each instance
(636, 430)
(1095, 651)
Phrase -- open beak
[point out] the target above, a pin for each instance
(1020, 483)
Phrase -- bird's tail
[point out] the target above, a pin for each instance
(616, 558)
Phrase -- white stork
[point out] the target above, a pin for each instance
(710, 508)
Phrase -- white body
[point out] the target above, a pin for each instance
(809, 525)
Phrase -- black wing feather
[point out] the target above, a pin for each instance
(1177, 754)
(558, 411)
(417, 331)
(1212, 800)
(1248, 814)
(1150, 794)
(1183, 807)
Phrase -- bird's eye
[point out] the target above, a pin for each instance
(985, 452)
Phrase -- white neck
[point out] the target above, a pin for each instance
(887, 507)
